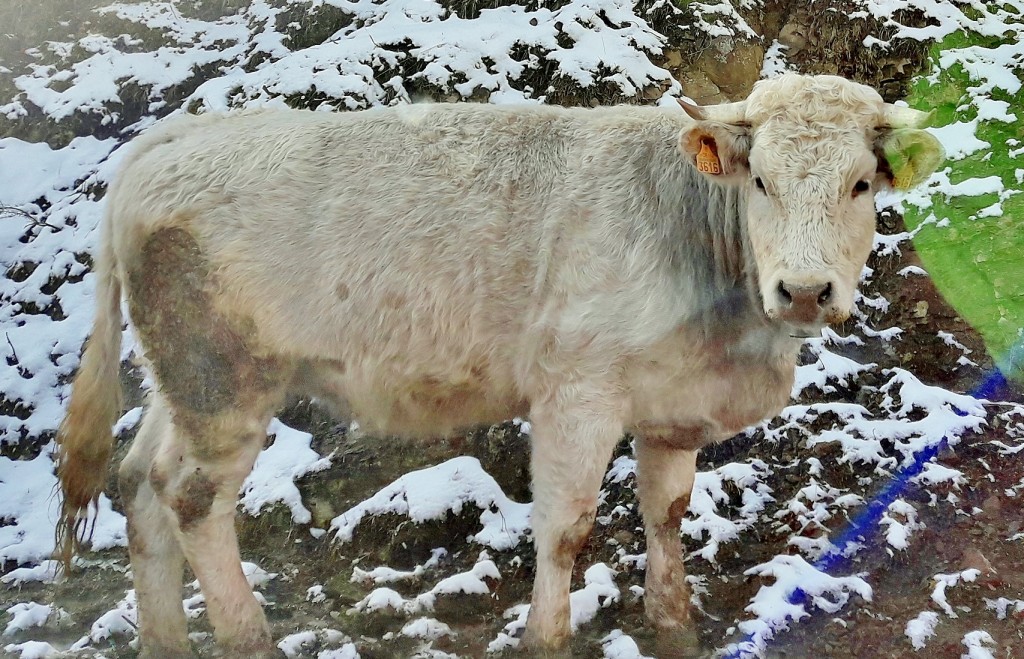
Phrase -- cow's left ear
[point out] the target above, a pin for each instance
(908, 156)
(717, 150)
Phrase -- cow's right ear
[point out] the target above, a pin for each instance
(717, 150)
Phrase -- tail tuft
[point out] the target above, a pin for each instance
(84, 439)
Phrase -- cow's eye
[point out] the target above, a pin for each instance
(860, 186)
(759, 183)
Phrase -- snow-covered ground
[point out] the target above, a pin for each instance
(856, 423)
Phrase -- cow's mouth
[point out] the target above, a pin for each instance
(804, 330)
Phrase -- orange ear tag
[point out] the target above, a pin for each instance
(707, 159)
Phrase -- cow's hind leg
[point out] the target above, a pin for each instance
(572, 442)
(198, 480)
(220, 389)
(665, 479)
(156, 556)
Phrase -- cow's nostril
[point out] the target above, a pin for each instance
(826, 294)
(784, 294)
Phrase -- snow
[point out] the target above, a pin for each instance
(944, 581)
(31, 650)
(975, 643)
(773, 607)
(273, 476)
(31, 171)
(347, 651)
(293, 644)
(316, 594)
(959, 139)
(1002, 606)
(25, 615)
(426, 628)
(618, 645)
(605, 34)
(46, 572)
(827, 367)
(898, 532)
(921, 628)
(471, 583)
(774, 61)
(707, 522)
(26, 487)
(599, 591)
(299, 644)
(432, 493)
(704, 519)
(385, 574)
(128, 421)
(43, 351)
(122, 620)
(601, 42)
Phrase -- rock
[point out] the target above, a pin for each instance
(793, 36)
(322, 511)
(724, 72)
(699, 87)
(673, 59)
(828, 36)
(992, 506)
(733, 66)
(973, 559)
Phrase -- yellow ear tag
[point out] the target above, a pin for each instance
(707, 159)
(904, 179)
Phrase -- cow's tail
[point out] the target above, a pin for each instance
(85, 438)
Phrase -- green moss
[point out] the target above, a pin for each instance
(977, 261)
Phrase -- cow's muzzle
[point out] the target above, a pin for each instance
(806, 305)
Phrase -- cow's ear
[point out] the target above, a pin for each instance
(717, 150)
(908, 156)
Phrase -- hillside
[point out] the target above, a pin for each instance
(878, 516)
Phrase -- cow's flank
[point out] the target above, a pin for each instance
(434, 267)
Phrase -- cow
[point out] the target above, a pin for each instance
(428, 268)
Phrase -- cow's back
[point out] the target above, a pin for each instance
(425, 254)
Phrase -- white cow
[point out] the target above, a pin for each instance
(444, 266)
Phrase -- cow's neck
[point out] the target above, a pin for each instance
(710, 254)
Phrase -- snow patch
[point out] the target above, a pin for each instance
(921, 628)
(431, 493)
(272, 479)
(776, 605)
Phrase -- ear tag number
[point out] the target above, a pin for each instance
(707, 159)
(904, 180)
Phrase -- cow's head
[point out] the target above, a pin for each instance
(811, 152)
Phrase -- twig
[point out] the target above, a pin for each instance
(13, 351)
(15, 211)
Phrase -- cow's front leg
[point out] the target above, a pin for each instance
(571, 446)
(665, 479)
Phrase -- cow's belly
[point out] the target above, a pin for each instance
(712, 393)
(393, 403)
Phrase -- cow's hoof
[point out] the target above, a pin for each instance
(276, 653)
(534, 652)
(163, 652)
(252, 651)
(677, 643)
(555, 646)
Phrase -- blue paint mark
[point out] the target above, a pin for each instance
(993, 387)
